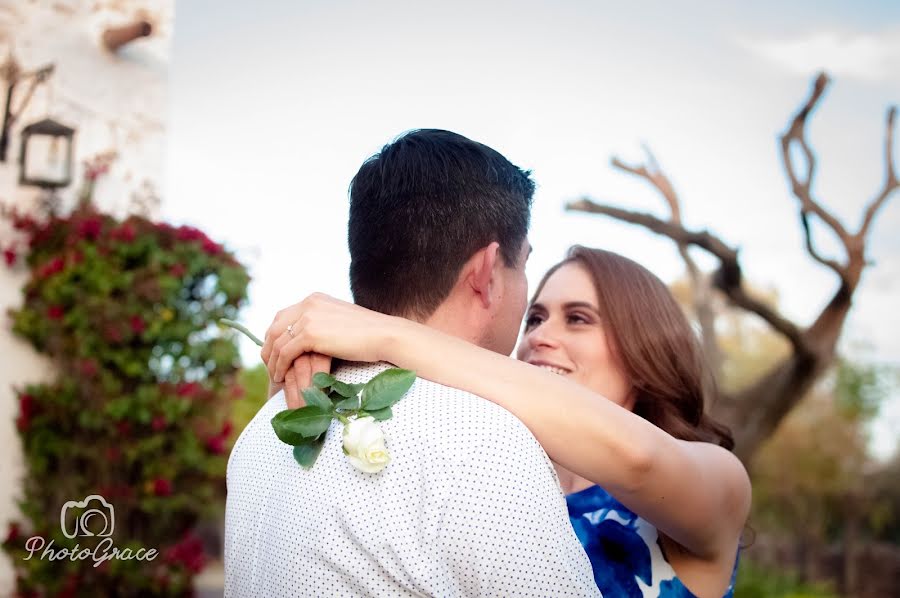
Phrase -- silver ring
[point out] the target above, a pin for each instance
(290, 330)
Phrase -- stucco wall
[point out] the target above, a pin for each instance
(117, 102)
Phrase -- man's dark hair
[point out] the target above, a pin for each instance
(420, 208)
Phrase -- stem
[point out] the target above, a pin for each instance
(240, 328)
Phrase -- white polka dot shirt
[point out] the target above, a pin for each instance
(469, 506)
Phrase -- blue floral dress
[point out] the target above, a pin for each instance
(623, 548)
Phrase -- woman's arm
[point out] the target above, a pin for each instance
(696, 493)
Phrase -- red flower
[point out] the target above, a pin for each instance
(177, 270)
(76, 257)
(22, 422)
(10, 256)
(188, 552)
(88, 368)
(188, 389)
(90, 227)
(126, 232)
(227, 428)
(21, 222)
(162, 487)
(26, 412)
(14, 532)
(55, 312)
(211, 248)
(216, 445)
(112, 333)
(54, 266)
(123, 428)
(237, 391)
(137, 324)
(70, 589)
(159, 423)
(113, 454)
(26, 404)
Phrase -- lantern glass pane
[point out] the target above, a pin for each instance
(46, 159)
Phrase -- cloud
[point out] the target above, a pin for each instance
(871, 57)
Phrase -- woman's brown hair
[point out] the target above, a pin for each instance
(655, 343)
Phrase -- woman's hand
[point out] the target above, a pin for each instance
(321, 327)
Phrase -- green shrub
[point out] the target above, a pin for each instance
(138, 410)
(754, 581)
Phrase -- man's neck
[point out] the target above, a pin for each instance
(450, 321)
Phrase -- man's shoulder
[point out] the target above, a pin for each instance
(437, 414)
(433, 401)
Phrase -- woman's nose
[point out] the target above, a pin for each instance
(542, 336)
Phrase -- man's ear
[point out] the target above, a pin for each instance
(481, 272)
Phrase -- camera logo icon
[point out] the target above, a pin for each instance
(92, 516)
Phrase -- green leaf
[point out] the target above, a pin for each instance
(351, 403)
(316, 398)
(296, 426)
(347, 390)
(381, 414)
(387, 388)
(323, 380)
(306, 454)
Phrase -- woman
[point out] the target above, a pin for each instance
(610, 380)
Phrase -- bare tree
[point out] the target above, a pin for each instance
(754, 411)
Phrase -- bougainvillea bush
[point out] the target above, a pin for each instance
(138, 409)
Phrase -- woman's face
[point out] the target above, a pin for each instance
(565, 335)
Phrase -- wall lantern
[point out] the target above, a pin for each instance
(45, 159)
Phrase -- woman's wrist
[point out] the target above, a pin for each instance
(399, 334)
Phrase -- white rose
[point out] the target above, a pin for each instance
(364, 445)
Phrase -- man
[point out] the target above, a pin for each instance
(469, 504)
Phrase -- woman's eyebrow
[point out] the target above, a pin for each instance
(584, 304)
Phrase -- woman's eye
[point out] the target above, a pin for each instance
(577, 319)
(533, 320)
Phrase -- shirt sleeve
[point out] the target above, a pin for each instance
(505, 529)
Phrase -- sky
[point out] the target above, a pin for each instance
(274, 106)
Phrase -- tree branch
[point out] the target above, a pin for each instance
(702, 295)
(891, 183)
(802, 189)
(728, 278)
